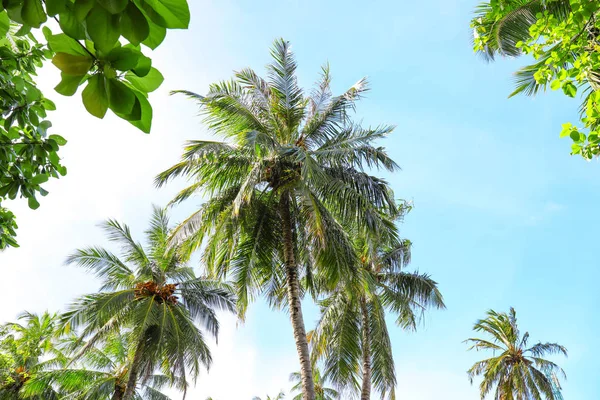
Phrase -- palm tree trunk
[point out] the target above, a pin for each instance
(133, 372)
(365, 393)
(118, 394)
(295, 305)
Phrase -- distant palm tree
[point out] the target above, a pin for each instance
(25, 350)
(101, 373)
(352, 335)
(280, 396)
(321, 392)
(152, 292)
(286, 177)
(517, 372)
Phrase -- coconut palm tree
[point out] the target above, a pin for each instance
(518, 372)
(154, 293)
(280, 396)
(25, 350)
(321, 392)
(286, 176)
(352, 335)
(100, 373)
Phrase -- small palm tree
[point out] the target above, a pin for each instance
(352, 335)
(321, 392)
(279, 396)
(101, 373)
(153, 293)
(518, 372)
(285, 179)
(27, 349)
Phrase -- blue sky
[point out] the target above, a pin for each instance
(503, 215)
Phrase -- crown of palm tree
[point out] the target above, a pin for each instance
(518, 372)
(153, 293)
(100, 373)
(352, 336)
(322, 392)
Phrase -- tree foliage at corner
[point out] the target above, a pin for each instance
(100, 48)
(562, 36)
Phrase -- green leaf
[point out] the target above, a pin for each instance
(103, 28)
(121, 98)
(570, 89)
(134, 26)
(33, 13)
(54, 7)
(124, 58)
(114, 6)
(62, 43)
(70, 25)
(39, 179)
(69, 84)
(95, 98)
(33, 203)
(566, 129)
(61, 141)
(173, 14)
(145, 121)
(82, 8)
(556, 84)
(72, 65)
(148, 83)
(13, 9)
(143, 66)
(4, 23)
(156, 36)
(575, 136)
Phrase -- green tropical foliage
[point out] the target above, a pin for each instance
(562, 38)
(100, 373)
(321, 391)
(516, 371)
(100, 46)
(352, 335)
(286, 178)
(26, 349)
(280, 396)
(154, 293)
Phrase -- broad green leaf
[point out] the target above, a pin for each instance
(114, 6)
(570, 89)
(156, 36)
(121, 99)
(566, 129)
(4, 23)
(124, 58)
(82, 8)
(72, 65)
(33, 203)
(58, 139)
(69, 84)
(173, 14)
(556, 84)
(143, 66)
(70, 25)
(62, 43)
(95, 98)
(33, 13)
(134, 25)
(148, 83)
(13, 9)
(39, 179)
(145, 121)
(103, 28)
(54, 7)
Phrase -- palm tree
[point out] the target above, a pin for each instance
(321, 392)
(101, 373)
(352, 335)
(287, 175)
(26, 349)
(152, 292)
(518, 372)
(280, 396)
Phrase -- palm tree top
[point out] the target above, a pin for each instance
(517, 371)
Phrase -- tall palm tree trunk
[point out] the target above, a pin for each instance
(293, 292)
(365, 393)
(133, 372)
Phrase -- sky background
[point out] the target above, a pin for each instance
(503, 215)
